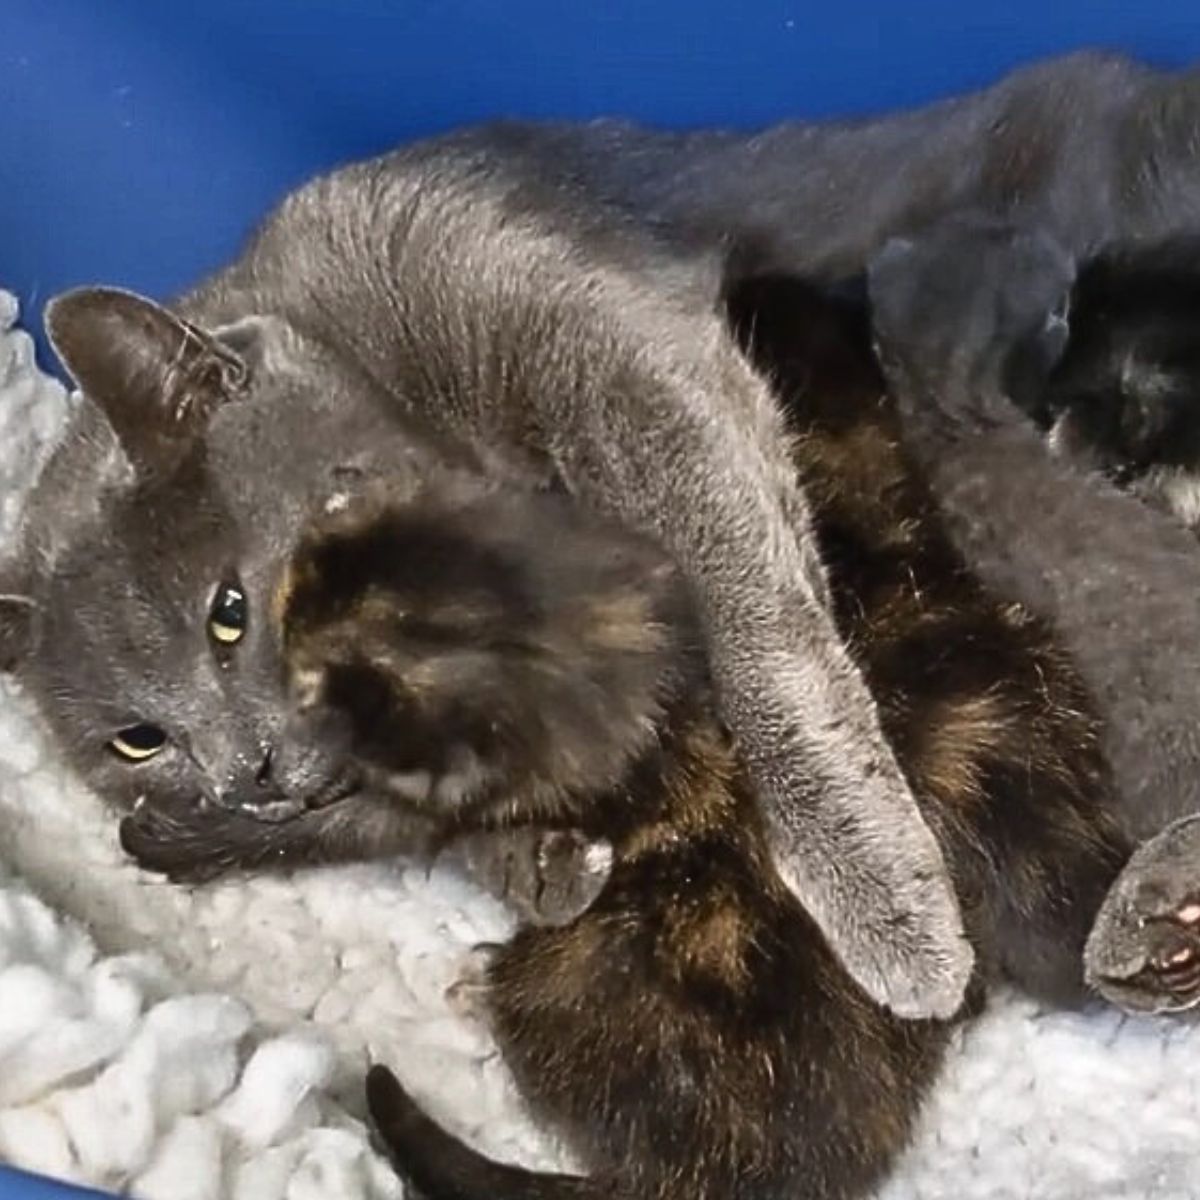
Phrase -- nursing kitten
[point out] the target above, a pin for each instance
(1125, 396)
(1116, 579)
(503, 658)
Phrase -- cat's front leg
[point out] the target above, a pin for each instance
(844, 830)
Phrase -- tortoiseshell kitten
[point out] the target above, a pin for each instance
(502, 658)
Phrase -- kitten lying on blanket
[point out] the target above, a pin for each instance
(497, 657)
(1117, 579)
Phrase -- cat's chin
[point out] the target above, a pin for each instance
(274, 809)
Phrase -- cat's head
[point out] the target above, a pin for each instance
(136, 609)
(1125, 398)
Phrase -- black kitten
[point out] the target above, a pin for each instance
(1125, 396)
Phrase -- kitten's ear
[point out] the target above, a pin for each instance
(157, 377)
(18, 628)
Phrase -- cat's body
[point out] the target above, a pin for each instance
(1093, 147)
(594, 355)
(690, 1033)
(562, 348)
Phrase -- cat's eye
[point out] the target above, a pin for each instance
(136, 743)
(227, 615)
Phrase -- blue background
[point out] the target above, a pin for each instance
(139, 140)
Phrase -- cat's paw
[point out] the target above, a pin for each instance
(908, 948)
(547, 877)
(1143, 953)
(883, 898)
(185, 846)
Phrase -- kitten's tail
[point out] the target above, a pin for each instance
(440, 1167)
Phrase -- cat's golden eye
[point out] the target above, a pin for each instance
(136, 743)
(227, 615)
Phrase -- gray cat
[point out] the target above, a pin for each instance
(539, 340)
(550, 292)
(1117, 579)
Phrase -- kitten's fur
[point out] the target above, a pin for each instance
(1118, 580)
(1125, 396)
(690, 1032)
(550, 289)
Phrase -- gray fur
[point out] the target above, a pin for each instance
(1138, 929)
(1092, 146)
(127, 535)
(445, 297)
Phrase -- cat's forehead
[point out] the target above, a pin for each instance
(144, 564)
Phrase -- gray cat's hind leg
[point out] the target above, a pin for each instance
(1143, 953)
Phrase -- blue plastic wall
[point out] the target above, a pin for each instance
(139, 140)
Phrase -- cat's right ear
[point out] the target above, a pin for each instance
(157, 378)
(18, 628)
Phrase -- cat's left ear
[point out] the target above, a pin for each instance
(157, 377)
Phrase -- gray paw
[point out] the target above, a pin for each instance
(1143, 953)
(891, 916)
(914, 957)
(547, 877)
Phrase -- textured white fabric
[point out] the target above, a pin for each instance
(210, 1043)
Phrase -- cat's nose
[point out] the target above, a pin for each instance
(251, 782)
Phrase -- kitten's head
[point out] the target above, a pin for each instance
(1125, 398)
(972, 308)
(137, 608)
(486, 642)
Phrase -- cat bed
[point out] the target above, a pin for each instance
(209, 1043)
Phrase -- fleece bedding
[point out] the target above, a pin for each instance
(209, 1043)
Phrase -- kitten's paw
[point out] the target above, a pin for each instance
(467, 995)
(1143, 953)
(547, 877)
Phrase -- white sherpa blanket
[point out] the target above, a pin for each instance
(209, 1043)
